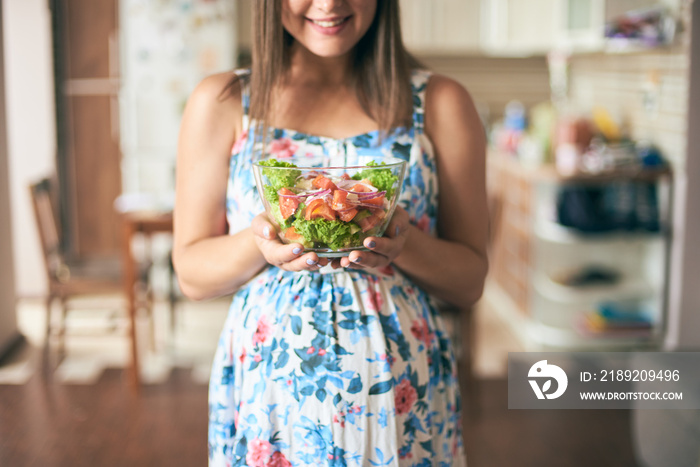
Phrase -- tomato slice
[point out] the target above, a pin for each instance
(293, 236)
(340, 200)
(288, 206)
(323, 183)
(371, 221)
(319, 208)
(345, 176)
(360, 188)
(348, 215)
(379, 200)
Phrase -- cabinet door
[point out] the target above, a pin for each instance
(531, 25)
(456, 25)
(416, 26)
(440, 26)
(581, 24)
(517, 28)
(87, 111)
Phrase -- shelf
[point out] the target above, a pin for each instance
(571, 339)
(622, 174)
(556, 233)
(626, 289)
(605, 49)
(532, 245)
(549, 173)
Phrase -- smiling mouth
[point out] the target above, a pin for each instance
(329, 23)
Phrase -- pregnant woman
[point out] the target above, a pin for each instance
(346, 363)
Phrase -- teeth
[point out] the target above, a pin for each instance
(328, 24)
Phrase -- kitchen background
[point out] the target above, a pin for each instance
(586, 104)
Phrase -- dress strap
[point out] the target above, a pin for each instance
(244, 79)
(419, 82)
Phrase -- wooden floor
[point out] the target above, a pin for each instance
(46, 424)
(103, 424)
(496, 436)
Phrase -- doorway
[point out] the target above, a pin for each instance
(86, 68)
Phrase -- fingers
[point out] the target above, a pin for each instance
(307, 262)
(391, 244)
(384, 249)
(290, 257)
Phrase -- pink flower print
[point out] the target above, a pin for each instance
(375, 299)
(243, 355)
(420, 331)
(322, 352)
(282, 148)
(278, 460)
(263, 331)
(257, 358)
(240, 142)
(424, 223)
(258, 453)
(405, 396)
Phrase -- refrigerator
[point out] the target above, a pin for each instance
(166, 48)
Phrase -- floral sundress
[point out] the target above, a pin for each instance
(335, 367)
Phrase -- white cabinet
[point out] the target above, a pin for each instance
(580, 25)
(498, 27)
(517, 27)
(440, 26)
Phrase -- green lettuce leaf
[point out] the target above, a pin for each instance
(335, 234)
(278, 178)
(382, 179)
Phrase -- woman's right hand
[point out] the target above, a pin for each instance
(288, 257)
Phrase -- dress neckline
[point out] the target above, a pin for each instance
(373, 134)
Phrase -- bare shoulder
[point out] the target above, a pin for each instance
(219, 87)
(444, 89)
(448, 105)
(217, 98)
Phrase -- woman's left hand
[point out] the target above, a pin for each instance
(384, 249)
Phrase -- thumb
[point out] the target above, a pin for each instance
(262, 227)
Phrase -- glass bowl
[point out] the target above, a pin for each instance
(329, 204)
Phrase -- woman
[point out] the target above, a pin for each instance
(347, 364)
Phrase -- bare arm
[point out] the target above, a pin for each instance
(456, 265)
(209, 262)
(452, 267)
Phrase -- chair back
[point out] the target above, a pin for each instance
(43, 199)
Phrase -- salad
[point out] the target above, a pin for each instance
(323, 211)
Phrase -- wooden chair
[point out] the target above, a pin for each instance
(70, 279)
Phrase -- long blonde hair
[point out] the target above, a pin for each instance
(381, 64)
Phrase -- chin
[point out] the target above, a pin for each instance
(329, 52)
